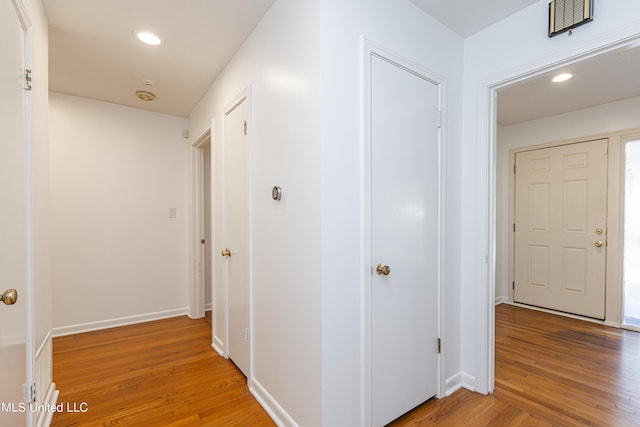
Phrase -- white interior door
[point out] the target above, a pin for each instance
(13, 220)
(404, 238)
(560, 231)
(238, 231)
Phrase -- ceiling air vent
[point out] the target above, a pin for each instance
(567, 14)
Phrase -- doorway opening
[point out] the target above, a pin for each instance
(201, 233)
(631, 268)
(614, 59)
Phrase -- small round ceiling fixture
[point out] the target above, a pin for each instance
(145, 96)
(562, 77)
(148, 37)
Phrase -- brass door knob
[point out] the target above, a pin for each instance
(226, 252)
(9, 297)
(598, 243)
(382, 270)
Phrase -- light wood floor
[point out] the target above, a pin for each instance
(550, 371)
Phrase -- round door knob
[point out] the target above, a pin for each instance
(382, 270)
(9, 297)
(598, 243)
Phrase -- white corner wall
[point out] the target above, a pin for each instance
(611, 117)
(281, 60)
(116, 256)
(503, 52)
(400, 27)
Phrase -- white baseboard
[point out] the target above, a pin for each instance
(120, 321)
(275, 411)
(51, 400)
(453, 384)
(46, 393)
(501, 300)
(218, 346)
(208, 307)
(468, 381)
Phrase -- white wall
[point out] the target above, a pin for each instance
(116, 256)
(505, 51)
(307, 272)
(402, 28)
(612, 117)
(281, 59)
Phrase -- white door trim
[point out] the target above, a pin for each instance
(196, 224)
(243, 95)
(369, 48)
(28, 296)
(485, 238)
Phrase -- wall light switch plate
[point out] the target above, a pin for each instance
(172, 212)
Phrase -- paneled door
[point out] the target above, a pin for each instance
(237, 179)
(560, 228)
(404, 239)
(13, 221)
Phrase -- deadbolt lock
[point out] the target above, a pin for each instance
(599, 230)
(9, 297)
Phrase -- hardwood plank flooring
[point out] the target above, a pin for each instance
(161, 373)
(550, 371)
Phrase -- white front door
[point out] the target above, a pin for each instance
(237, 233)
(404, 239)
(13, 220)
(560, 228)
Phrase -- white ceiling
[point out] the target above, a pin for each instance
(94, 54)
(467, 17)
(608, 77)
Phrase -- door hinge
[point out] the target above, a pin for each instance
(245, 127)
(514, 168)
(513, 285)
(30, 392)
(439, 345)
(439, 119)
(202, 241)
(514, 227)
(27, 79)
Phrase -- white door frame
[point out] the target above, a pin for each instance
(26, 296)
(243, 96)
(486, 137)
(369, 48)
(196, 224)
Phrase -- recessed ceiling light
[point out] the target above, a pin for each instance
(562, 77)
(148, 37)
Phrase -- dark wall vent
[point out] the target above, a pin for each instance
(567, 14)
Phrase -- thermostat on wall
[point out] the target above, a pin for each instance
(276, 193)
